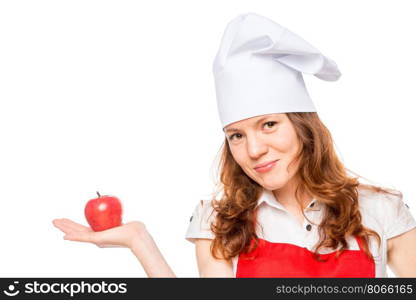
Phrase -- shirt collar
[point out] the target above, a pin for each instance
(268, 197)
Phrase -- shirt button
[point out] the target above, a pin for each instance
(190, 220)
(308, 227)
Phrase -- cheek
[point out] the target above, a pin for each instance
(237, 155)
(286, 143)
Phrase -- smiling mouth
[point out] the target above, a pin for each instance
(269, 163)
(267, 167)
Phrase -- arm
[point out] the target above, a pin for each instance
(132, 235)
(401, 254)
(209, 266)
(149, 255)
(152, 261)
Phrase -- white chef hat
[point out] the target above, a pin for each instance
(258, 69)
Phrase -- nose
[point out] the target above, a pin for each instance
(256, 147)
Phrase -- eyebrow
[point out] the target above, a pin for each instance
(235, 129)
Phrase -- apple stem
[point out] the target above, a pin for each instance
(98, 194)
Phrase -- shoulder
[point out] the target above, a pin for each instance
(375, 203)
(371, 205)
(204, 210)
(384, 212)
(200, 222)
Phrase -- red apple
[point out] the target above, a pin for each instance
(103, 212)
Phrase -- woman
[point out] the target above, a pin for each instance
(305, 194)
(287, 206)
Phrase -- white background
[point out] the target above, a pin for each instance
(118, 96)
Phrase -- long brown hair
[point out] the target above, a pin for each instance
(321, 175)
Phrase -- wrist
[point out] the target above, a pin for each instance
(140, 238)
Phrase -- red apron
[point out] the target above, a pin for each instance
(287, 260)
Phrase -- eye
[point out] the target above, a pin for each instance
(269, 123)
(272, 123)
(232, 136)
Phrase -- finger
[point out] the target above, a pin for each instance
(60, 223)
(74, 225)
(68, 226)
(78, 237)
(56, 222)
(63, 227)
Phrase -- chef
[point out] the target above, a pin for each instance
(268, 118)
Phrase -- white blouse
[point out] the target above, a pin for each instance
(386, 214)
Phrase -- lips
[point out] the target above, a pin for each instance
(265, 164)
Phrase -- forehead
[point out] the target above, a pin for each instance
(250, 122)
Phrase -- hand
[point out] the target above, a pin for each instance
(120, 236)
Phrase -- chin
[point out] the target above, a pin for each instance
(274, 183)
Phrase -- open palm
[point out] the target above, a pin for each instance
(120, 236)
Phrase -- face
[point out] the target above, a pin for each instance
(264, 139)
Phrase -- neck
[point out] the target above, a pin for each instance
(286, 195)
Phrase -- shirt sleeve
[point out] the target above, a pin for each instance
(397, 217)
(199, 226)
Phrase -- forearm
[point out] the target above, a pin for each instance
(150, 257)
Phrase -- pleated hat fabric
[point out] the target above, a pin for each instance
(258, 69)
